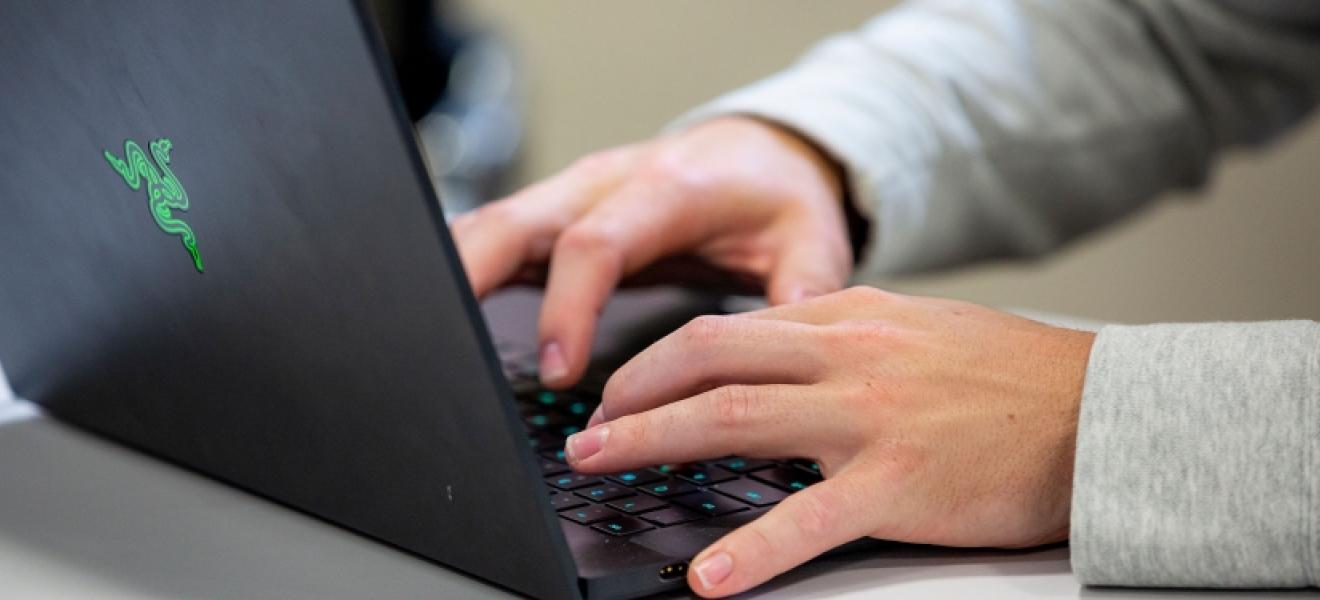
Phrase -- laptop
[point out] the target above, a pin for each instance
(219, 245)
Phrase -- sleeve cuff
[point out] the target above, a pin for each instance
(1198, 457)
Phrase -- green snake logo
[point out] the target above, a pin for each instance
(164, 192)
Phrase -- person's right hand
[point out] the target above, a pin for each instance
(738, 194)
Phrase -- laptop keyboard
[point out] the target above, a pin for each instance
(630, 502)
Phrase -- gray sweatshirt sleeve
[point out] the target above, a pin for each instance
(1005, 127)
(974, 129)
(1198, 457)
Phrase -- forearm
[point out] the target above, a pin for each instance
(1198, 457)
(976, 129)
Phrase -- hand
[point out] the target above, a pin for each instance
(933, 421)
(735, 194)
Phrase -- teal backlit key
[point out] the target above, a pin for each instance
(566, 501)
(640, 477)
(572, 481)
(711, 505)
(588, 514)
(744, 465)
(604, 493)
(637, 504)
(751, 492)
(622, 525)
(673, 515)
(788, 479)
(703, 475)
(668, 488)
(550, 467)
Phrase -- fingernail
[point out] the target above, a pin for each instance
(553, 367)
(596, 417)
(714, 569)
(582, 446)
(800, 294)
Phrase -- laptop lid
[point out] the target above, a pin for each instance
(218, 244)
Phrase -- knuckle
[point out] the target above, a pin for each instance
(816, 514)
(868, 332)
(505, 213)
(868, 400)
(757, 541)
(705, 330)
(732, 406)
(671, 171)
(597, 165)
(615, 387)
(496, 211)
(866, 293)
(634, 431)
(896, 461)
(589, 239)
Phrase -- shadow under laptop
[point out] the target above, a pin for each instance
(87, 516)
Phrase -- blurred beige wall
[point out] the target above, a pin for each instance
(603, 72)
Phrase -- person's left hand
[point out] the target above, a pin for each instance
(933, 421)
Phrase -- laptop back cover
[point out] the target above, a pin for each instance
(218, 245)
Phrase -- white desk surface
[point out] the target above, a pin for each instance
(82, 517)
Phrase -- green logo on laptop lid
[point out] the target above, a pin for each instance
(165, 194)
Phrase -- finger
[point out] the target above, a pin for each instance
(707, 353)
(830, 308)
(755, 421)
(496, 241)
(810, 264)
(626, 231)
(803, 526)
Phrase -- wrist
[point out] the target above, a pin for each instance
(832, 172)
(1074, 351)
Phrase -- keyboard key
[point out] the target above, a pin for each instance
(568, 430)
(544, 398)
(637, 504)
(550, 467)
(587, 515)
(524, 386)
(667, 469)
(579, 408)
(641, 477)
(545, 420)
(671, 516)
(546, 441)
(667, 488)
(604, 493)
(744, 465)
(566, 501)
(557, 455)
(750, 492)
(622, 525)
(711, 505)
(806, 465)
(572, 481)
(786, 478)
(704, 475)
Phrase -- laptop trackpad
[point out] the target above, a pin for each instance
(686, 541)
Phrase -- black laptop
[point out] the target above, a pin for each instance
(219, 245)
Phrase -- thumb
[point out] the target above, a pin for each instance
(803, 526)
(808, 266)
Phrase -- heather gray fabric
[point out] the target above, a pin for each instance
(1198, 456)
(1006, 127)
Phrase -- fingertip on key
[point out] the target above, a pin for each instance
(554, 368)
